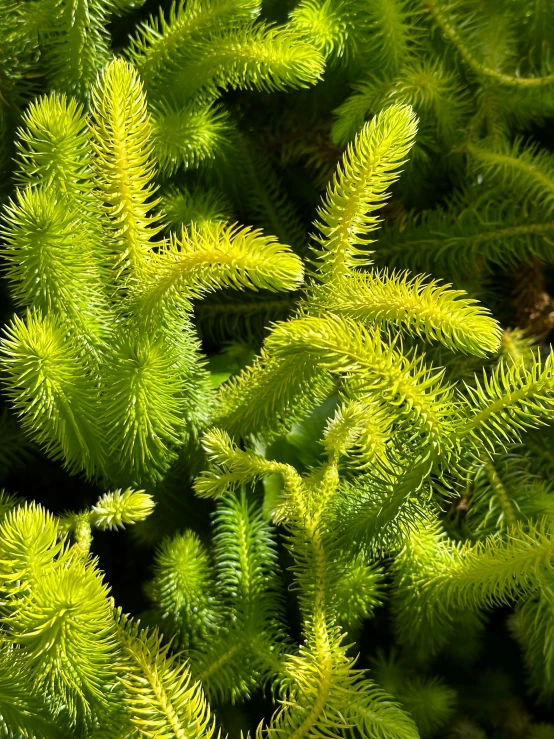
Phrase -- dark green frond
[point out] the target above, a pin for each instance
(22, 711)
(183, 589)
(186, 136)
(181, 207)
(533, 626)
(428, 86)
(524, 171)
(249, 648)
(466, 239)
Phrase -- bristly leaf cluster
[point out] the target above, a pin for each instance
(282, 282)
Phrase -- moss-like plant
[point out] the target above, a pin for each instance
(371, 443)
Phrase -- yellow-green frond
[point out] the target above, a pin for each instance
(271, 394)
(235, 466)
(427, 309)
(124, 167)
(359, 188)
(120, 508)
(213, 256)
(161, 697)
(53, 389)
(346, 348)
(512, 398)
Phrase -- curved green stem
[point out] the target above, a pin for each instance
(463, 50)
(501, 493)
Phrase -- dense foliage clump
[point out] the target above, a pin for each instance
(277, 301)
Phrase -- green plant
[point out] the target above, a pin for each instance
(372, 446)
(105, 368)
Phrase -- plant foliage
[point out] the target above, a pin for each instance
(276, 364)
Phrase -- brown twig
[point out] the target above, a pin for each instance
(534, 306)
